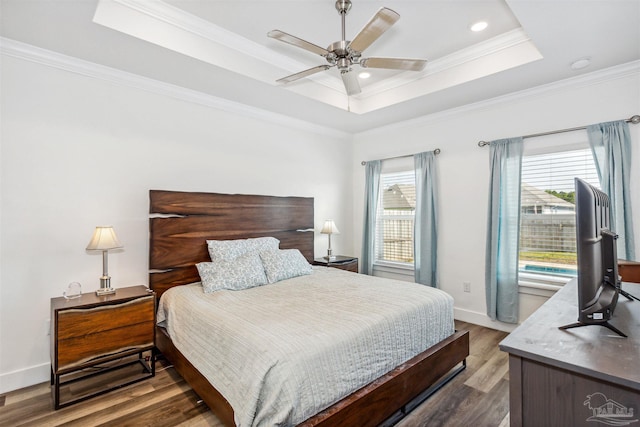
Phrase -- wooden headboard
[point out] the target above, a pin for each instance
(181, 222)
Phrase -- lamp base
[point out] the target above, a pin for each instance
(105, 286)
(330, 256)
(105, 291)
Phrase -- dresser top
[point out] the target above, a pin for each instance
(592, 350)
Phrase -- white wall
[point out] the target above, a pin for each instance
(463, 167)
(77, 152)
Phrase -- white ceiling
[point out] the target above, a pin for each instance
(220, 48)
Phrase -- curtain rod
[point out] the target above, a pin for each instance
(634, 119)
(436, 152)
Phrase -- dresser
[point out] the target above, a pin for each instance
(92, 335)
(582, 376)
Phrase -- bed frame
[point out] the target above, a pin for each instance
(179, 224)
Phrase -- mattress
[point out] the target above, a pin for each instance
(281, 353)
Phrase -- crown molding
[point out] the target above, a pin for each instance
(241, 55)
(496, 44)
(201, 28)
(176, 17)
(27, 52)
(608, 74)
(179, 18)
(56, 60)
(489, 47)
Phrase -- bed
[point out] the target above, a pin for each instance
(180, 225)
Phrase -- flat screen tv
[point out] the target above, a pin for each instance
(598, 280)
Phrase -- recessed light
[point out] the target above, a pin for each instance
(479, 26)
(581, 63)
(364, 75)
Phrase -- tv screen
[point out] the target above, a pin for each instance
(598, 282)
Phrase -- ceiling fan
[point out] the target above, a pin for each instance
(344, 53)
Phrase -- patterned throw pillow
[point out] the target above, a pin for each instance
(227, 250)
(284, 264)
(243, 272)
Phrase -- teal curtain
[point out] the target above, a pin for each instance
(611, 146)
(372, 190)
(503, 230)
(425, 238)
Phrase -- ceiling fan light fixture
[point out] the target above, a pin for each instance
(364, 75)
(343, 54)
(476, 27)
(343, 63)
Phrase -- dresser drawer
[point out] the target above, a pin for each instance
(87, 334)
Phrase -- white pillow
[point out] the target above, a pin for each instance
(284, 264)
(227, 250)
(243, 272)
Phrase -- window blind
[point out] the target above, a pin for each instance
(547, 227)
(395, 217)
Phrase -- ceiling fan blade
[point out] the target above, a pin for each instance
(302, 74)
(394, 63)
(350, 80)
(381, 22)
(295, 41)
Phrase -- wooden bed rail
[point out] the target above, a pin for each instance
(379, 400)
(367, 407)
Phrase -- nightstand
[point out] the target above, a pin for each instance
(92, 335)
(347, 263)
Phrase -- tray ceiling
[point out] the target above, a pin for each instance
(221, 48)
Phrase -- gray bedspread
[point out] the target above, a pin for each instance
(283, 352)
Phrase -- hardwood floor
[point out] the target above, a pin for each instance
(479, 396)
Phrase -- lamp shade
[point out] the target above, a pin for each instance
(329, 227)
(104, 238)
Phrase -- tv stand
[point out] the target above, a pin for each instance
(553, 373)
(605, 324)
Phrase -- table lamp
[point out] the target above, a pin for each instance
(103, 239)
(329, 228)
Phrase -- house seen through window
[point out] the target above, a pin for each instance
(548, 220)
(395, 217)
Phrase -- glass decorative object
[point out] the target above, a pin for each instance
(74, 290)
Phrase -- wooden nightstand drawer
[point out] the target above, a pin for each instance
(76, 351)
(348, 266)
(87, 334)
(84, 321)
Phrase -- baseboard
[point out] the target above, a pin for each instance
(481, 319)
(26, 377)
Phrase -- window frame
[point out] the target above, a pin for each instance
(392, 166)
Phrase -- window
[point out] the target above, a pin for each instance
(395, 216)
(548, 222)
